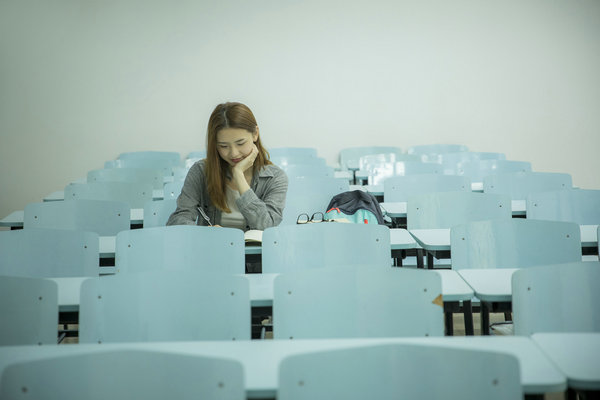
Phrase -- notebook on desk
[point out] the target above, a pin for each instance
(253, 236)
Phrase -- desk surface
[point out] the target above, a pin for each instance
(454, 288)
(439, 239)
(261, 358)
(59, 195)
(398, 209)
(490, 284)
(577, 355)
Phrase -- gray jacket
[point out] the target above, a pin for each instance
(262, 206)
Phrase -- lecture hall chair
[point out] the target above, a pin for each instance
(303, 152)
(157, 212)
(104, 217)
(357, 302)
(581, 206)
(127, 373)
(350, 156)
(164, 306)
(29, 310)
(134, 194)
(519, 185)
(446, 209)
(180, 248)
(557, 298)
(401, 188)
(400, 371)
(49, 253)
(325, 244)
(477, 170)
(149, 176)
(172, 190)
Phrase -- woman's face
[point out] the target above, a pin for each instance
(235, 144)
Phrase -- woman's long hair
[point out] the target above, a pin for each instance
(228, 115)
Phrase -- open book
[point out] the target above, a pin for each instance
(253, 236)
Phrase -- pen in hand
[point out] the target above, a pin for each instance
(203, 216)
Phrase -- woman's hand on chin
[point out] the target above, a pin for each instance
(247, 162)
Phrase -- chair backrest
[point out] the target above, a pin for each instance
(29, 310)
(514, 243)
(325, 244)
(557, 298)
(400, 188)
(164, 306)
(293, 152)
(353, 154)
(477, 170)
(200, 154)
(353, 302)
(134, 194)
(180, 248)
(370, 159)
(578, 205)
(436, 149)
(134, 374)
(393, 371)
(149, 176)
(451, 160)
(105, 217)
(284, 161)
(519, 185)
(307, 170)
(309, 195)
(446, 209)
(378, 173)
(172, 190)
(164, 165)
(49, 253)
(157, 212)
(169, 156)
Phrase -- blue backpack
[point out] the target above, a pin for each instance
(355, 206)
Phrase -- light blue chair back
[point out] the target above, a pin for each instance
(169, 156)
(477, 170)
(157, 212)
(29, 310)
(308, 170)
(134, 194)
(309, 195)
(451, 160)
(519, 185)
(350, 156)
(105, 217)
(200, 154)
(578, 205)
(357, 303)
(426, 149)
(557, 298)
(134, 374)
(149, 176)
(378, 173)
(49, 253)
(164, 306)
(172, 190)
(400, 188)
(303, 152)
(164, 165)
(325, 244)
(446, 209)
(375, 159)
(393, 371)
(514, 243)
(285, 161)
(180, 248)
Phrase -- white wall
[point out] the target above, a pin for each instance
(82, 81)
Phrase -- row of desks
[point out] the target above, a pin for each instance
(549, 362)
